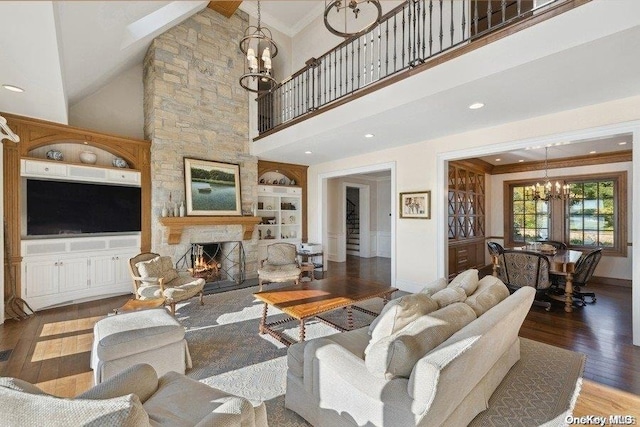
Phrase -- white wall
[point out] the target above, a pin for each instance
(314, 40)
(116, 108)
(420, 254)
(613, 267)
(383, 221)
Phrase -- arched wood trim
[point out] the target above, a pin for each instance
(35, 133)
(291, 171)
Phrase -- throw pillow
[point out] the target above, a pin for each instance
(448, 296)
(490, 292)
(400, 312)
(155, 268)
(168, 272)
(150, 269)
(31, 410)
(397, 354)
(434, 286)
(467, 280)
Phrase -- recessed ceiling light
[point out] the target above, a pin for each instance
(498, 160)
(307, 152)
(622, 143)
(520, 161)
(476, 105)
(593, 152)
(369, 135)
(13, 88)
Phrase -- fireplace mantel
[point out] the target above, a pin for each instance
(177, 224)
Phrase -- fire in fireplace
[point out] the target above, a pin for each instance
(204, 263)
(215, 262)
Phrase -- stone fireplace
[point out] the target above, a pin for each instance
(194, 107)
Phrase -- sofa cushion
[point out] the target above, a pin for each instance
(467, 280)
(169, 273)
(448, 296)
(31, 410)
(434, 286)
(490, 292)
(395, 355)
(354, 341)
(399, 312)
(183, 401)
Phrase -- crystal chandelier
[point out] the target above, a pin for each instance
(354, 5)
(258, 75)
(549, 190)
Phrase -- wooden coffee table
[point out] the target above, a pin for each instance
(140, 304)
(310, 299)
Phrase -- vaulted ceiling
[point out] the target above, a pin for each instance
(62, 51)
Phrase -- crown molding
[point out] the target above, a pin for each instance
(569, 162)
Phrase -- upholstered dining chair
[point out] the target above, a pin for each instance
(555, 244)
(281, 265)
(523, 268)
(584, 269)
(155, 277)
(495, 249)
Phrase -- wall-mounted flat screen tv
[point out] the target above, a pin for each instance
(75, 208)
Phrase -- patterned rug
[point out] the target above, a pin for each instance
(228, 353)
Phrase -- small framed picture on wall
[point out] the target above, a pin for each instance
(415, 204)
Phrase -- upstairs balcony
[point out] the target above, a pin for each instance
(406, 78)
(416, 33)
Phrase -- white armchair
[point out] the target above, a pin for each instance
(281, 265)
(155, 277)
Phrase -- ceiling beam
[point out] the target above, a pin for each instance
(569, 162)
(224, 8)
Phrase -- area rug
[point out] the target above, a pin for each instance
(228, 353)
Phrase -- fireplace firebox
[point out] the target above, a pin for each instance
(215, 261)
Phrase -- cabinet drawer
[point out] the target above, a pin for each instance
(130, 177)
(30, 167)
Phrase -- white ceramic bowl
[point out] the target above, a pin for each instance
(88, 157)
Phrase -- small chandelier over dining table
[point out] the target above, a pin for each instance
(348, 30)
(258, 75)
(549, 190)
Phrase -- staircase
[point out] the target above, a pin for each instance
(353, 229)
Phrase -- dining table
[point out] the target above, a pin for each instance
(562, 262)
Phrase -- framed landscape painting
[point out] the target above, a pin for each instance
(415, 205)
(212, 188)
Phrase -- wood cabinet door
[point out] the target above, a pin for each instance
(103, 272)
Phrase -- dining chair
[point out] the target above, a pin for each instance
(556, 244)
(523, 268)
(495, 249)
(584, 269)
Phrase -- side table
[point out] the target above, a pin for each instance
(140, 304)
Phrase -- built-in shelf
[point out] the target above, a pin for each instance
(176, 224)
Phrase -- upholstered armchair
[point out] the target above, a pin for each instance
(155, 277)
(522, 268)
(172, 400)
(281, 265)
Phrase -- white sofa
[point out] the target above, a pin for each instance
(332, 382)
(135, 397)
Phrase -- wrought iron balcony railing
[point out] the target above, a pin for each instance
(407, 36)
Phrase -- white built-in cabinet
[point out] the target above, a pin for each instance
(280, 208)
(60, 271)
(63, 270)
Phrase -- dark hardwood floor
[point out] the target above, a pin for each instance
(52, 349)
